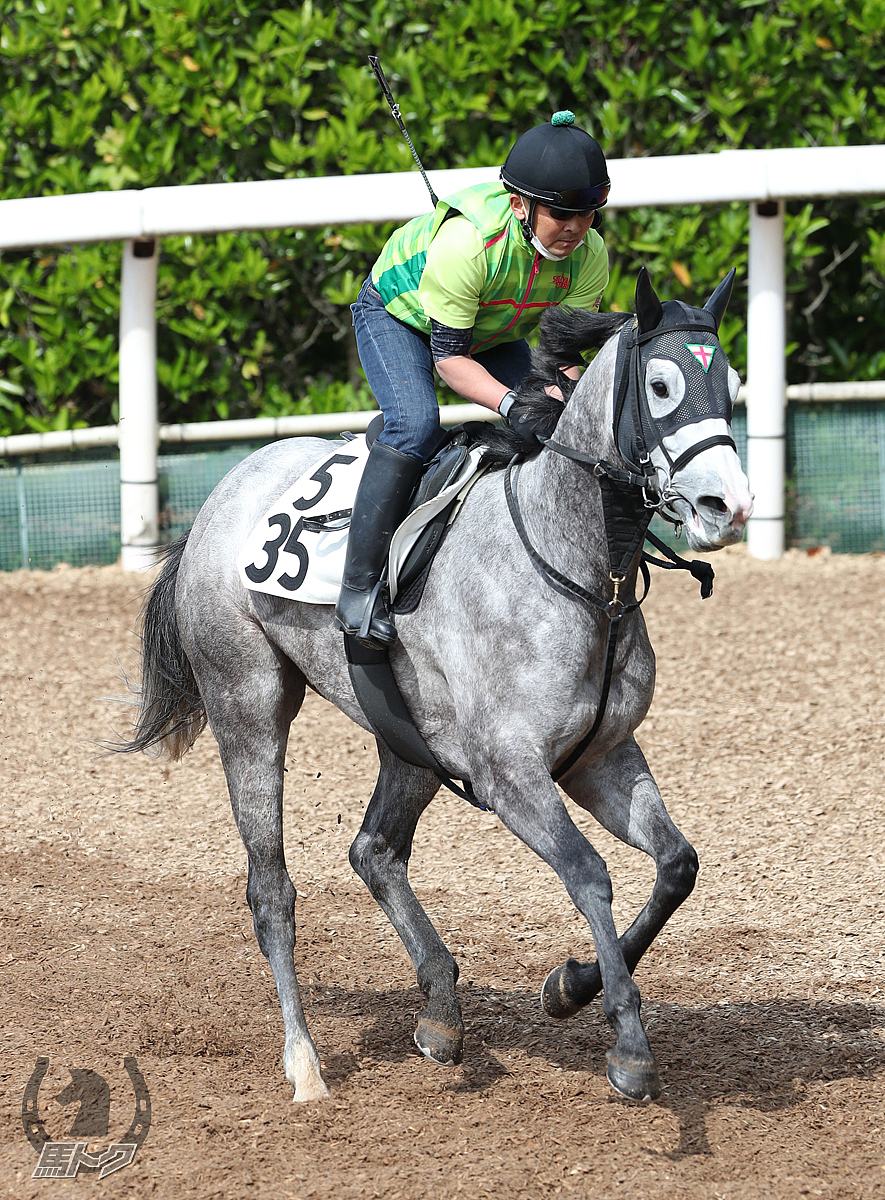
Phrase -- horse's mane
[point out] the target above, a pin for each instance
(566, 335)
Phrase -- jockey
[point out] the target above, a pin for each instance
(458, 290)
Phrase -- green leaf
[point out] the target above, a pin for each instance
(288, 92)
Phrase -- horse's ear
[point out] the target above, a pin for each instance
(649, 309)
(718, 302)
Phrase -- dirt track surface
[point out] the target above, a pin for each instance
(126, 933)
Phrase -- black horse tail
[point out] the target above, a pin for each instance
(171, 711)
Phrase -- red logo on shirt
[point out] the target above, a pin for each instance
(561, 281)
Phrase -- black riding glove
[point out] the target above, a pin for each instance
(528, 421)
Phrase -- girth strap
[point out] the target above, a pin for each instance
(386, 711)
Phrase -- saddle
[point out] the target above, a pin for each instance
(296, 551)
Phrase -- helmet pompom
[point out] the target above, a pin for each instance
(564, 117)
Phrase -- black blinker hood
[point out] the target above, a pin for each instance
(668, 331)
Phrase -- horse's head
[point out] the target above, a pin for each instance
(674, 392)
(657, 400)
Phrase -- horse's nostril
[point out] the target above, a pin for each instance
(714, 504)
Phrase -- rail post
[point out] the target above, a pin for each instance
(138, 425)
(766, 379)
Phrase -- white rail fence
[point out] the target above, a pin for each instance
(764, 179)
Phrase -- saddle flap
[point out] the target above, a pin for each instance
(459, 465)
(439, 472)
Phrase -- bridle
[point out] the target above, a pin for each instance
(636, 430)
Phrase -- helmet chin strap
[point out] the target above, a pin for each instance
(532, 238)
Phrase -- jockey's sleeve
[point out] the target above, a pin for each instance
(446, 342)
(454, 275)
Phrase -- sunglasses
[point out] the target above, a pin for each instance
(581, 201)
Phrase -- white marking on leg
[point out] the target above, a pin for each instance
(302, 1066)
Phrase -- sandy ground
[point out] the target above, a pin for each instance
(125, 930)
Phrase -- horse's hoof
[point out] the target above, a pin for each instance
(313, 1090)
(554, 1000)
(442, 1044)
(633, 1078)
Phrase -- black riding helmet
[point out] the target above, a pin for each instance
(559, 165)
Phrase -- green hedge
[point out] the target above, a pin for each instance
(109, 94)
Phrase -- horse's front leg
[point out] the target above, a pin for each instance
(380, 856)
(621, 794)
(528, 803)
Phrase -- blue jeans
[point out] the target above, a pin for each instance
(399, 367)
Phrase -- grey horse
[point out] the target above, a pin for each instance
(501, 671)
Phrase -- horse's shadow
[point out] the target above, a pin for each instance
(758, 1054)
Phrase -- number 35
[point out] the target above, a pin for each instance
(290, 535)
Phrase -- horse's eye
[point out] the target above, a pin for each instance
(659, 388)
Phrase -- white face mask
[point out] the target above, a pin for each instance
(542, 249)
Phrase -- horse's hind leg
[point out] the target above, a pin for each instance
(621, 794)
(251, 695)
(380, 855)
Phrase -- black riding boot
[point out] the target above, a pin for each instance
(382, 500)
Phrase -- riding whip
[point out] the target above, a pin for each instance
(375, 64)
